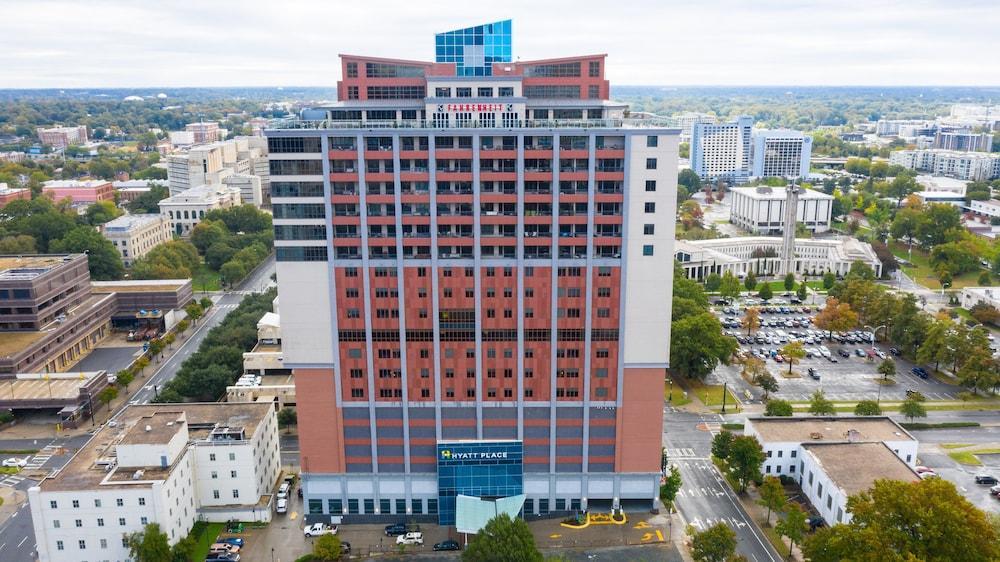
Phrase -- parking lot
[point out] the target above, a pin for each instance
(845, 369)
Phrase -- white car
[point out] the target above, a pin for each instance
(318, 529)
(282, 506)
(411, 538)
(14, 462)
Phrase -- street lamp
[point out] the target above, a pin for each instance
(671, 398)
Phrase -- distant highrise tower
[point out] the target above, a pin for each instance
(475, 49)
(788, 245)
(722, 150)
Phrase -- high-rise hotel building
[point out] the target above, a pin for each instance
(475, 259)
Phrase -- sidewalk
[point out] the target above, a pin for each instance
(12, 501)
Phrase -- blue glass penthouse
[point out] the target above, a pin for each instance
(475, 49)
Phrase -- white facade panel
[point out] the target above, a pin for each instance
(306, 324)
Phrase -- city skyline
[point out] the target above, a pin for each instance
(265, 44)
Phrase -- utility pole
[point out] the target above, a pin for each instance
(725, 384)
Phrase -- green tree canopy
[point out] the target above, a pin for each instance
(327, 548)
(745, 459)
(715, 544)
(713, 282)
(149, 545)
(820, 406)
(772, 496)
(778, 408)
(503, 540)
(697, 345)
(103, 259)
(765, 293)
(867, 408)
(906, 521)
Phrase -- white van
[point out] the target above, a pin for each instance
(283, 490)
(282, 506)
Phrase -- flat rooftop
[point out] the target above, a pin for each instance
(854, 467)
(58, 386)
(82, 472)
(9, 265)
(139, 286)
(125, 223)
(829, 429)
(12, 342)
(765, 192)
(155, 429)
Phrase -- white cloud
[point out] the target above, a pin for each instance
(120, 43)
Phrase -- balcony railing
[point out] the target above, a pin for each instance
(655, 122)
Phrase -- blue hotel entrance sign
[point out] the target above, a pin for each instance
(482, 469)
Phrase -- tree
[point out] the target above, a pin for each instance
(898, 521)
(671, 485)
(18, 245)
(156, 347)
(149, 202)
(768, 384)
(985, 279)
(985, 314)
(103, 259)
(194, 311)
(697, 345)
(713, 282)
(750, 281)
(793, 352)
(753, 368)
(207, 233)
(765, 293)
(911, 408)
(107, 395)
(802, 291)
(232, 272)
(867, 408)
(690, 180)
(183, 325)
(149, 545)
(829, 279)
(820, 406)
(722, 444)
(751, 319)
(327, 548)
(793, 526)
(836, 316)
(789, 281)
(887, 368)
(101, 212)
(205, 303)
(183, 550)
(778, 408)
(503, 539)
(935, 346)
(901, 186)
(715, 544)
(125, 378)
(730, 287)
(287, 417)
(745, 459)
(979, 370)
(772, 496)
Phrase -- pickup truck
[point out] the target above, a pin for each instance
(318, 529)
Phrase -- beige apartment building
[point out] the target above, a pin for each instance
(135, 235)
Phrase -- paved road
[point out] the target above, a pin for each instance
(224, 304)
(705, 499)
(17, 536)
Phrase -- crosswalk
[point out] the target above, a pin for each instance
(680, 453)
(12, 480)
(34, 463)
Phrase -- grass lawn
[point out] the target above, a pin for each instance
(206, 279)
(9, 470)
(955, 445)
(775, 538)
(678, 397)
(710, 394)
(922, 272)
(965, 457)
(205, 534)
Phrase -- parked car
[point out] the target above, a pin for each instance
(986, 480)
(879, 352)
(859, 352)
(235, 541)
(910, 393)
(397, 529)
(813, 373)
(14, 462)
(920, 372)
(283, 490)
(318, 529)
(843, 353)
(281, 506)
(223, 547)
(411, 538)
(920, 469)
(928, 474)
(995, 490)
(223, 557)
(447, 545)
(895, 351)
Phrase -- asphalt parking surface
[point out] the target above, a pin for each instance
(850, 378)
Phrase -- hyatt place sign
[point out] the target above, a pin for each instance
(449, 455)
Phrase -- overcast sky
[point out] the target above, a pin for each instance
(121, 43)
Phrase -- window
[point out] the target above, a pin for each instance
(442, 92)
(650, 207)
(144, 520)
(100, 522)
(142, 501)
(236, 494)
(652, 141)
(601, 373)
(352, 506)
(648, 229)
(352, 70)
(594, 68)
(76, 503)
(121, 521)
(794, 453)
(357, 393)
(215, 494)
(650, 163)
(650, 185)
(97, 503)
(55, 523)
(647, 249)
(211, 457)
(506, 92)
(53, 504)
(215, 475)
(232, 474)
(463, 92)
(59, 545)
(484, 92)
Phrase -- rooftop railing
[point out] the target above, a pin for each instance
(475, 124)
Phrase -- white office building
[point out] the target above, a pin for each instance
(169, 464)
(251, 192)
(135, 235)
(833, 458)
(763, 256)
(212, 163)
(186, 209)
(761, 210)
(963, 140)
(780, 153)
(971, 296)
(988, 208)
(972, 166)
(721, 151)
